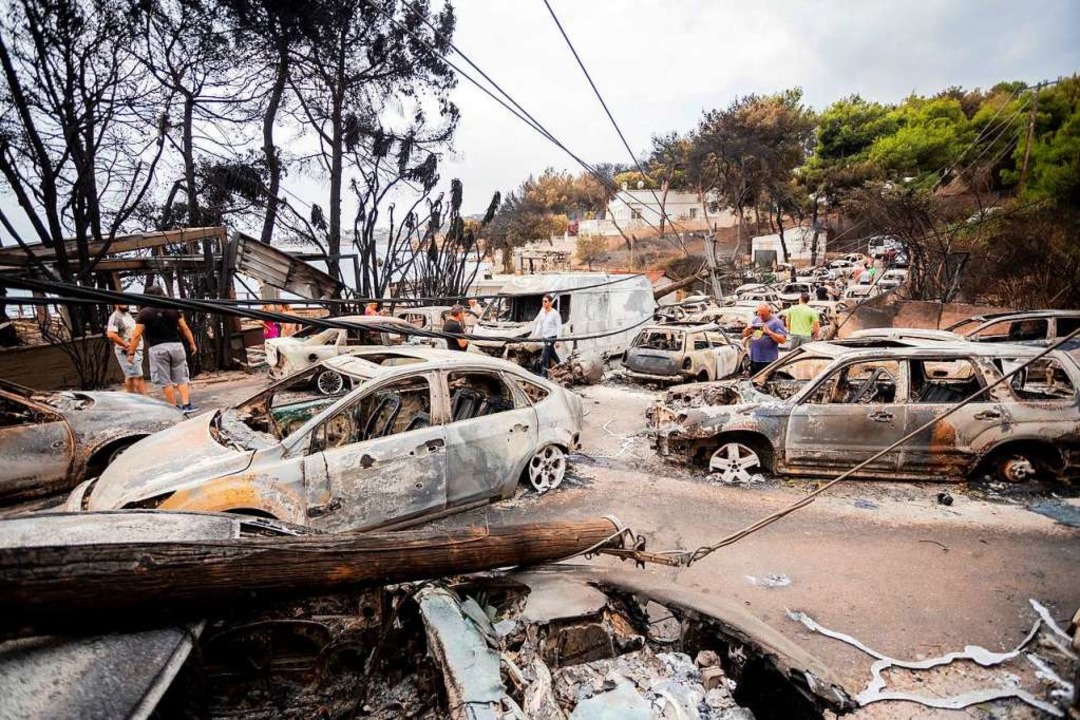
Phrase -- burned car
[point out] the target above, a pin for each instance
(52, 441)
(406, 443)
(286, 355)
(677, 352)
(826, 407)
(1034, 327)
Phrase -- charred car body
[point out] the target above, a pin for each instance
(287, 355)
(826, 407)
(409, 442)
(674, 353)
(52, 441)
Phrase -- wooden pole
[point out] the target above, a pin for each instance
(78, 588)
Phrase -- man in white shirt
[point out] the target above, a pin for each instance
(547, 326)
(119, 330)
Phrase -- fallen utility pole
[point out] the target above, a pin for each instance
(80, 588)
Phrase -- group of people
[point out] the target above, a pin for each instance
(547, 326)
(767, 331)
(162, 332)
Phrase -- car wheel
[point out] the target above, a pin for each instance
(547, 468)
(1015, 467)
(329, 382)
(733, 462)
(702, 376)
(744, 365)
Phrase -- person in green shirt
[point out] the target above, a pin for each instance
(802, 322)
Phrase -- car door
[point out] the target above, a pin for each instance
(727, 355)
(491, 434)
(853, 413)
(379, 460)
(945, 448)
(39, 448)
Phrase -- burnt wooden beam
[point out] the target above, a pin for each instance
(79, 588)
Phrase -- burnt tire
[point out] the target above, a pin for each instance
(702, 376)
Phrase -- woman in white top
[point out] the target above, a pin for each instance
(547, 326)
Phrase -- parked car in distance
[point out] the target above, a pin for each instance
(892, 278)
(826, 407)
(790, 292)
(287, 355)
(731, 319)
(684, 309)
(52, 441)
(841, 264)
(855, 294)
(409, 442)
(674, 353)
(880, 245)
(829, 317)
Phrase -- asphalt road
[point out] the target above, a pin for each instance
(884, 562)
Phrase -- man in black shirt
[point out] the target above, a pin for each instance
(455, 325)
(168, 364)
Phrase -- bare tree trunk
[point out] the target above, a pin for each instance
(817, 230)
(270, 150)
(780, 226)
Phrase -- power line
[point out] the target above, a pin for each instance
(520, 112)
(607, 111)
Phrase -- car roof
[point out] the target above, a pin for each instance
(681, 325)
(911, 333)
(875, 347)
(372, 320)
(1014, 315)
(354, 364)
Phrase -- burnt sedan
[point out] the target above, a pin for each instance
(679, 352)
(826, 407)
(416, 437)
(51, 441)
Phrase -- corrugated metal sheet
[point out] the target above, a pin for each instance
(278, 269)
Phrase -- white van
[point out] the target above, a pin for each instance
(616, 306)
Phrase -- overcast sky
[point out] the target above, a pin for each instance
(659, 63)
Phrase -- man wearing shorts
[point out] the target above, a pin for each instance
(120, 328)
(168, 363)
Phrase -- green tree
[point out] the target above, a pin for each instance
(930, 136)
(591, 249)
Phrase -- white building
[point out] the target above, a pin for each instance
(632, 209)
(766, 249)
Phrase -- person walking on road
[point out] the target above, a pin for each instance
(766, 332)
(547, 326)
(119, 329)
(455, 325)
(168, 363)
(803, 324)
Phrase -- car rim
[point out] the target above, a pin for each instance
(733, 462)
(547, 468)
(1017, 469)
(330, 382)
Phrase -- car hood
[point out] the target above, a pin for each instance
(502, 330)
(181, 456)
(107, 412)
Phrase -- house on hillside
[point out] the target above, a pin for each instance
(766, 249)
(639, 212)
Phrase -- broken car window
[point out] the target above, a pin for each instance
(15, 413)
(792, 373)
(534, 392)
(1026, 330)
(943, 381)
(871, 381)
(1043, 379)
(475, 394)
(398, 407)
(666, 340)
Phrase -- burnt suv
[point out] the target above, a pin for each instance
(825, 407)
